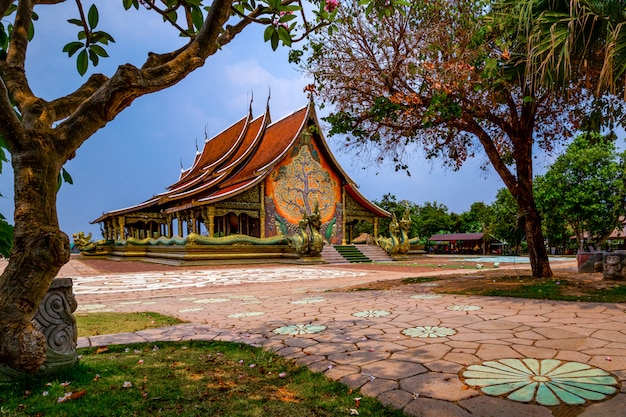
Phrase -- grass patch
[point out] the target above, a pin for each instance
(92, 324)
(417, 280)
(184, 379)
(546, 289)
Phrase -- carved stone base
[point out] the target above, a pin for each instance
(590, 261)
(56, 321)
(311, 260)
(400, 257)
(614, 265)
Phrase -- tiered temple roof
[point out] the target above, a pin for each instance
(238, 158)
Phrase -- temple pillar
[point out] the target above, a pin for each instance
(210, 213)
(180, 224)
(375, 226)
(122, 225)
(344, 215)
(262, 212)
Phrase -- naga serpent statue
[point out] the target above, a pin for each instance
(309, 241)
(391, 244)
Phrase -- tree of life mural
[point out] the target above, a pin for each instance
(302, 184)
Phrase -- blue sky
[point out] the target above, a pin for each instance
(139, 153)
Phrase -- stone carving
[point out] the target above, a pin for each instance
(405, 224)
(56, 321)
(80, 240)
(614, 265)
(309, 240)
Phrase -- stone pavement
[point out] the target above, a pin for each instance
(431, 355)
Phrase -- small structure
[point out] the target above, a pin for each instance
(254, 191)
(462, 243)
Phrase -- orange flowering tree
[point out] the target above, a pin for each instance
(440, 74)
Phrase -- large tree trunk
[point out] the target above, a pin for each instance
(537, 252)
(39, 251)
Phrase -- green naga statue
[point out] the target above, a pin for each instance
(309, 241)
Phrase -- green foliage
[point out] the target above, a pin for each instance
(88, 41)
(585, 187)
(6, 237)
(508, 224)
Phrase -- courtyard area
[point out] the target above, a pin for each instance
(428, 353)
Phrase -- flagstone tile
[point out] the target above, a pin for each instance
(486, 406)
(610, 335)
(423, 354)
(493, 325)
(328, 348)
(397, 398)
(574, 343)
(527, 319)
(606, 408)
(489, 352)
(117, 339)
(477, 336)
(460, 344)
(359, 357)
(355, 380)
(535, 352)
(309, 359)
(440, 386)
(529, 335)
(462, 358)
(376, 345)
(443, 366)
(572, 356)
(427, 407)
(321, 366)
(375, 387)
(609, 362)
(340, 371)
(392, 369)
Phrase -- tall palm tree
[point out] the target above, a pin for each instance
(559, 42)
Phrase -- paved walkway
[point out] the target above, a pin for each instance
(431, 355)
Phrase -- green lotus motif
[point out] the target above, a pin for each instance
(425, 296)
(296, 329)
(429, 331)
(309, 300)
(246, 314)
(547, 382)
(463, 308)
(372, 313)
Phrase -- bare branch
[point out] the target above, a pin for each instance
(16, 54)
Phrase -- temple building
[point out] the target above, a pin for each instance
(253, 183)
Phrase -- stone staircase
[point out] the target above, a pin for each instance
(354, 254)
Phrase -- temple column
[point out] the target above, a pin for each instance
(262, 212)
(375, 226)
(122, 225)
(180, 224)
(344, 215)
(210, 213)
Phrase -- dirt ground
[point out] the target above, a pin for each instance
(571, 282)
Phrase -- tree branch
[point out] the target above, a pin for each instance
(10, 127)
(63, 107)
(16, 55)
(129, 82)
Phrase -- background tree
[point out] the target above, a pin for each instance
(390, 203)
(41, 135)
(585, 187)
(434, 73)
(508, 225)
(433, 218)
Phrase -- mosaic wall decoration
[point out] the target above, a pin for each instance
(372, 313)
(303, 180)
(463, 308)
(429, 331)
(296, 329)
(547, 382)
